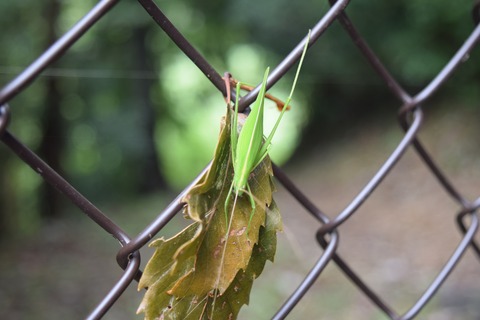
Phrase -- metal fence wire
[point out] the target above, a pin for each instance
(410, 118)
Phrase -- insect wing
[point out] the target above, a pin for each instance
(249, 141)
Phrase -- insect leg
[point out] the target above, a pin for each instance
(252, 202)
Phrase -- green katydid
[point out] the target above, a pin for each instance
(249, 148)
(206, 265)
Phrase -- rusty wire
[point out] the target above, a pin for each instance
(410, 118)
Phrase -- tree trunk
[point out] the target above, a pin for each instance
(52, 142)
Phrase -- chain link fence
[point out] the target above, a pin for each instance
(410, 115)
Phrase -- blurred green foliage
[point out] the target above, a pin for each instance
(125, 74)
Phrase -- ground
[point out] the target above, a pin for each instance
(397, 241)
